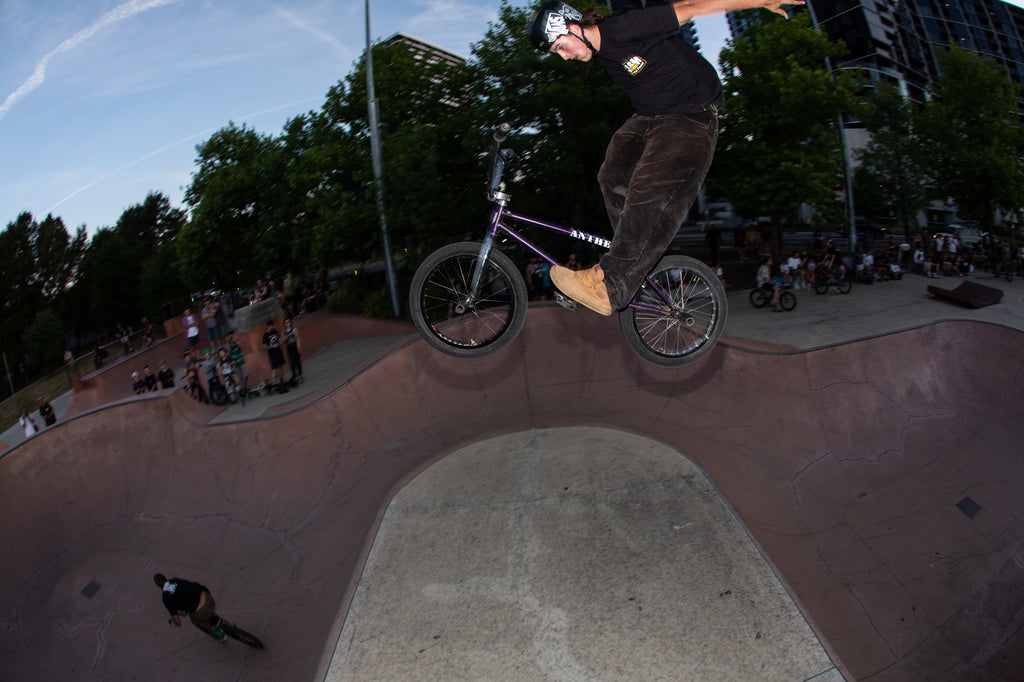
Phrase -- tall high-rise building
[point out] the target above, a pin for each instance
(899, 40)
(426, 51)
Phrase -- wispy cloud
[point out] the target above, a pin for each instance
(298, 23)
(189, 138)
(114, 16)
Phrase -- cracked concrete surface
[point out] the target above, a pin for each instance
(846, 466)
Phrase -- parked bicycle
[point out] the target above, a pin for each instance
(469, 300)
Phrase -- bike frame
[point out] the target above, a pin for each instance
(498, 226)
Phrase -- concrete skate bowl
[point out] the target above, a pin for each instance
(880, 478)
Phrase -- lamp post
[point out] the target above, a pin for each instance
(378, 167)
(851, 221)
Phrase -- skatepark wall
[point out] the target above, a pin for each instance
(813, 450)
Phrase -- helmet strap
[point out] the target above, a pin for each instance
(583, 37)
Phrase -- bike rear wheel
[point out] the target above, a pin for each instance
(218, 396)
(237, 633)
(787, 299)
(686, 331)
(758, 297)
(452, 320)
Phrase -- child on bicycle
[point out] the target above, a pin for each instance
(237, 356)
(227, 370)
(656, 162)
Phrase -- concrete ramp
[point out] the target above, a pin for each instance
(880, 478)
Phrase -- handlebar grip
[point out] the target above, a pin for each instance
(501, 132)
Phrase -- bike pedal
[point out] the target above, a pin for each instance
(564, 301)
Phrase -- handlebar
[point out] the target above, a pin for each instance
(499, 156)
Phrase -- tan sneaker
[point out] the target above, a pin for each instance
(583, 286)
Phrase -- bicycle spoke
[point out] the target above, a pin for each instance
(458, 318)
(683, 328)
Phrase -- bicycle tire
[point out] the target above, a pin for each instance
(787, 299)
(821, 288)
(844, 286)
(237, 633)
(758, 298)
(218, 395)
(480, 327)
(687, 332)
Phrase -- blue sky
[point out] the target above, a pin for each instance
(104, 101)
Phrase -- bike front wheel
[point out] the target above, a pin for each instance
(458, 322)
(787, 300)
(679, 319)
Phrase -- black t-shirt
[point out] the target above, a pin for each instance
(182, 596)
(166, 377)
(643, 52)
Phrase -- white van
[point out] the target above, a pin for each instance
(967, 234)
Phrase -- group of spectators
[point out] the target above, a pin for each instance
(223, 366)
(802, 269)
(28, 424)
(949, 257)
(878, 262)
(122, 336)
(147, 382)
(295, 294)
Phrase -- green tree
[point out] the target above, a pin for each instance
(779, 144)
(44, 340)
(892, 176)
(972, 128)
(233, 195)
(41, 263)
(57, 257)
(18, 300)
(111, 273)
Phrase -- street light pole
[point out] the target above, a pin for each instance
(378, 167)
(851, 214)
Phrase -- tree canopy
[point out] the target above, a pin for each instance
(779, 144)
(303, 199)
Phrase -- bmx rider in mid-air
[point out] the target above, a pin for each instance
(656, 162)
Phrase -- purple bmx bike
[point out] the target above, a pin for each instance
(469, 299)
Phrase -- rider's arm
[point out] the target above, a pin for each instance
(688, 9)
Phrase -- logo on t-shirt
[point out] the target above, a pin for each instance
(634, 65)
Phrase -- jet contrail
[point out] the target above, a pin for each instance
(119, 13)
(187, 138)
(298, 23)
